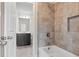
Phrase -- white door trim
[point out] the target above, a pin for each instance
(1, 27)
(34, 33)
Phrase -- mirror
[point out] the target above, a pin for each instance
(24, 25)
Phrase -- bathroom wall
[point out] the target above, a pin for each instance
(45, 23)
(68, 40)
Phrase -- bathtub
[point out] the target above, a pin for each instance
(54, 51)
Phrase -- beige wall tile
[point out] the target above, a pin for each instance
(45, 24)
(64, 39)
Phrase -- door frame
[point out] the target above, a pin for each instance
(34, 31)
(1, 26)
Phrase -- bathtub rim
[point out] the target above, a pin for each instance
(73, 55)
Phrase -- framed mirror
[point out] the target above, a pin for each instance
(24, 24)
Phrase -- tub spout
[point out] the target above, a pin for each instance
(48, 48)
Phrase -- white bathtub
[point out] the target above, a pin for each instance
(54, 51)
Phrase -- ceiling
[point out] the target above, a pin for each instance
(24, 6)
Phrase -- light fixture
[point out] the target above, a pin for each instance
(27, 17)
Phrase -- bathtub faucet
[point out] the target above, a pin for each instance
(48, 48)
(48, 39)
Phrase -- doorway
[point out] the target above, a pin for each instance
(17, 16)
(24, 44)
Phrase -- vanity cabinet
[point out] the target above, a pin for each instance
(23, 39)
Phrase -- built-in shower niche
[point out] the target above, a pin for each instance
(73, 24)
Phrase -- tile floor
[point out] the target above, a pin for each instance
(24, 51)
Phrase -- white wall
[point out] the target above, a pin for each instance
(23, 9)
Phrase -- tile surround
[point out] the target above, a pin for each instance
(55, 18)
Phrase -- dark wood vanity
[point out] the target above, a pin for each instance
(23, 39)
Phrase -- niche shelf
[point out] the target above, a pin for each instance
(73, 24)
